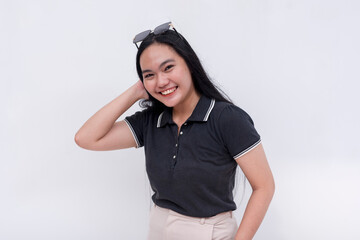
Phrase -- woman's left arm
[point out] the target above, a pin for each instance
(256, 169)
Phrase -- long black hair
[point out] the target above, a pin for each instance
(202, 83)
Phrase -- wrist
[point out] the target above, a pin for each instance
(138, 91)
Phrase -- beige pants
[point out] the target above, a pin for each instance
(166, 224)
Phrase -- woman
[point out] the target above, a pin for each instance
(194, 138)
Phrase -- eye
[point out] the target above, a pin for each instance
(168, 67)
(148, 76)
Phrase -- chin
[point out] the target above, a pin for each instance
(169, 103)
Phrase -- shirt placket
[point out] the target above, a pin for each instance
(179, 137)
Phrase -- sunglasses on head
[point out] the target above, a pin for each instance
(158, 30)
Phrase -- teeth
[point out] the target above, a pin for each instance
(168, 91)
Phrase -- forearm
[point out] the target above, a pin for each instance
(254, 213)
(102, 121)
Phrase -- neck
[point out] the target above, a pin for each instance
(182, 112)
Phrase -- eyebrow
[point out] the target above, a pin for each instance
(162, 64)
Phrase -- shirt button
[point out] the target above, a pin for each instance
(176, 145)
(181, 133)
(185, 123)
(174, 156)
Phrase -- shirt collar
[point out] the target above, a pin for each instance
(201, 112)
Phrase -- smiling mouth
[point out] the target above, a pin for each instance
(168, 91)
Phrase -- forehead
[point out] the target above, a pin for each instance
(157, 53)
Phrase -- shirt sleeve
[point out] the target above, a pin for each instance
(135, 123)
(238, 131)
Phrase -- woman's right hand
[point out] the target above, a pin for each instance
(141, 90)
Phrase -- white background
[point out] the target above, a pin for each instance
(292, 65)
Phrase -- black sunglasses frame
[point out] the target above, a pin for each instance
(158, 30)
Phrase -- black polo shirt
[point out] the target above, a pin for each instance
(193, 172)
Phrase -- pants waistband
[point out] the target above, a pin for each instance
(209, 220)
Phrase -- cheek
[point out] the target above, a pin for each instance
(186, 75)
(148, 85)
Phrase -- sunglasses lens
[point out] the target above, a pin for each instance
(158, 30)
(141, 36)
(162, 28)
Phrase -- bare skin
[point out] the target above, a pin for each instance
(101, 132)
(256, 169)
(164, 70)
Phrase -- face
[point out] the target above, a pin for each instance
(167, 77)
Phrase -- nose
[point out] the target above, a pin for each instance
(162, 80)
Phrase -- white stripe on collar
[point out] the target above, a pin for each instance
(159, 119)
(212, 104)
